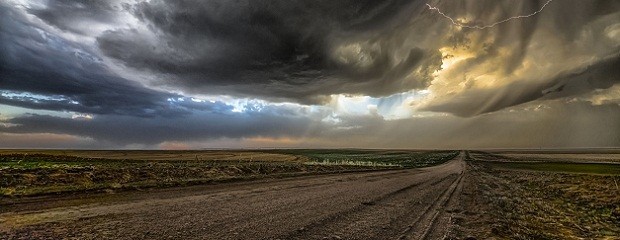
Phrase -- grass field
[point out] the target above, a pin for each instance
(376, 157)
(157, 155)
(517, 198)
(548, 205)
(589, 168)
(578, 156)
(32, 172)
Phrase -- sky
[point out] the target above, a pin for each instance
(419, 74)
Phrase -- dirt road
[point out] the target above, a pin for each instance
(403, 204)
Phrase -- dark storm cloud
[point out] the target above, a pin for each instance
(42, 71)
(64, 14)
(306, 50)
(299, 51)
(279, 49)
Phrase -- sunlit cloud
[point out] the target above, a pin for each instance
(82, 117)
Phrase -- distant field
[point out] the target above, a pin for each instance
(591, 168)
(557, 151)
(157, 155)
(36, 172)
(577, 157)
(607, 156)
(376, 157)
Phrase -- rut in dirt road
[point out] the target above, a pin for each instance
(402, 204)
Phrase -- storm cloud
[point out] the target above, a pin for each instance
(66, 75)
(295, 50)
(302, 69)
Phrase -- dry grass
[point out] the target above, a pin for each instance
(516, 203)
(583, 157)
(35, 172)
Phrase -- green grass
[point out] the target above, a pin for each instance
(409, 159)
(590, 168)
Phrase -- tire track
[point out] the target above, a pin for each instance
(398, 202)
(431, 213)
(336, 216)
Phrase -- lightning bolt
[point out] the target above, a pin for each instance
(457, 23)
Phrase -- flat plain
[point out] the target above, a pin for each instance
(310, 194)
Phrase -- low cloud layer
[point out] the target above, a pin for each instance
(531, 126)
(247, 69)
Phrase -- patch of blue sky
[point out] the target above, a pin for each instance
(33, 97)
(7, 112)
